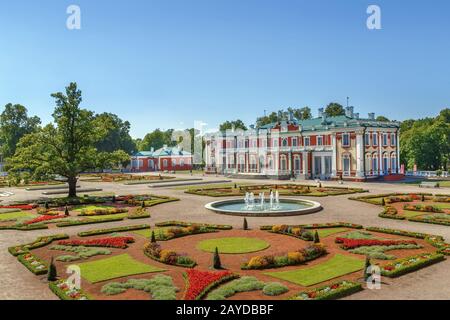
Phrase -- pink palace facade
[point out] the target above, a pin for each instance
(321, 148)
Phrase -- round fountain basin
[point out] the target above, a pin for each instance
(285, 207)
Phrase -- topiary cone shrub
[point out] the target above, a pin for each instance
(143, 204)
(46, 206)
(52, 273)
(66, 211)
(366, 267)
(383, 202)
(245, 226)
(316, 237)
(113, 200)
(217, 264)
(153, 238)
(423, 198)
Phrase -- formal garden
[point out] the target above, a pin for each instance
(66, 212)
(191, 261)
(124, 178)
(283, 190)
(416, 207)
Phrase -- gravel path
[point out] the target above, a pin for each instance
(429, 283)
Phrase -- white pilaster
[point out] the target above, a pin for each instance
(333, 157)
(397, 146)
(359, 155)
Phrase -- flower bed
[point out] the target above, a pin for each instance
(38, 243)
(199, 283)
(320, 226)
(433, 219)
(112, 242)
(422, 208)
(138, 213)
(36, 226)
(188, 224)
(44, 219)
(102, 211)
(111, 230)
(176, 232)
(402, 266)
(33, 263)
(397, 232)
(294, 231)
(155, 252)
(64, 292)
(290, 259)
(335, 290)
(348, 244)
(439, 243)
(20, 206)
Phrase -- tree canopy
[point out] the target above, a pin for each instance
(382, 119)
(283, 115)
(157, 139)
(334, 109)
(65, 147)
(426, 142)
(236, 124)
(117, 134)
(14, 124)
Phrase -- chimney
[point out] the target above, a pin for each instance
(349, 112)
(356, 115)
(291, 116)
(152, 149)
(252, 126)
(324, 118)
(320, 112)
(371, 116)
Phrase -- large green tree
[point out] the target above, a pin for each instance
(426, 142)
(117, 135)
(334, 109)
(157, 139)
(284, 115)
(236, 124)
(67, 146)
(14, 124)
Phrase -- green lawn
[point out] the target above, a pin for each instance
(17, 215)
(441, 205)
(233, 245)
(114, 267)
(327, 232)
(412, 214)
(146, 233)
(337, 266)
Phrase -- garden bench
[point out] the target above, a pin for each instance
(427, 184)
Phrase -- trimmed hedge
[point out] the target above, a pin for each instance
(38, 243)
(60, 293)
(333, 291)
(319, 226)
(29, 227)
(422, 260)
(188, 224)
(112, 230)
(92, 221)
(28, 258)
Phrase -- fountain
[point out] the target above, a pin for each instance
(249, 206)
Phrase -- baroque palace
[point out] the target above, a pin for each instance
(347, 147)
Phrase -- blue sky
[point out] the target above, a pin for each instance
(168, 63)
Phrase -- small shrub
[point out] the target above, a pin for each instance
(217, 264)
(245, 226)
(316, 237)
(274, 289)
(52, 273)
(153, 238)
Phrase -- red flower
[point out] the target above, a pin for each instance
(113, 242)
(199, 281)
(43, 218)
(20, 206)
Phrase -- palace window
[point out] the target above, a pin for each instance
(174, 162)
(385, 138)
(393, 163)
(346, 165)
(275, 142)
(285, 142)
(294, 142)
(393, 140)
(346, 140)
(374, 139)
(320, 141)
(306, 141)
(264, 143)
(367, 139)
(375, 164)
(182, 162)
(165, 163)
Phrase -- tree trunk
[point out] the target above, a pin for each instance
(72, 181)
